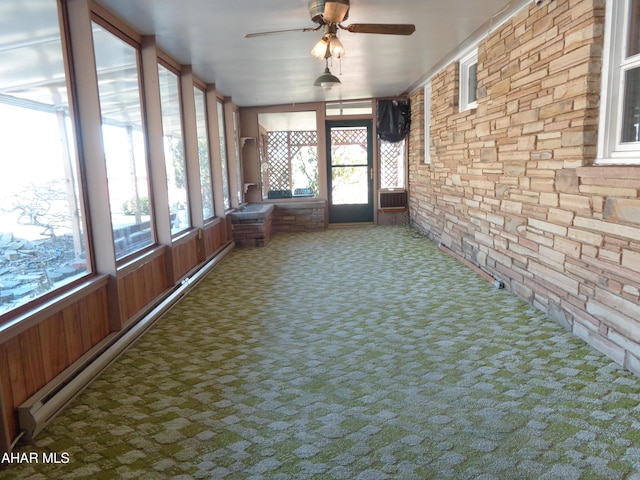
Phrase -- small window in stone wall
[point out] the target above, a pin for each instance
(619, 132)
(468, 80)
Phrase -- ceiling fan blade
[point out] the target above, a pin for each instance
(277, 32)
(381, 28)
(335, 11)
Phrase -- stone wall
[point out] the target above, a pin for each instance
(252, 233)
(300, 216)
(512, 187)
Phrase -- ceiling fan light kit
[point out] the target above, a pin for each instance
(328, 46)
(330, 14)
(320, 49)
(336, 49)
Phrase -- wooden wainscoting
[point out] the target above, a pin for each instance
(215, 237)
(184, 253)
(141, 283)
(31, 356)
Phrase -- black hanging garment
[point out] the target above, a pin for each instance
(394, 119)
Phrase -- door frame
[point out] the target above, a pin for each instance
(351, 213)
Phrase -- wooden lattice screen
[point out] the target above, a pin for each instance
(390, 156)
(282, 147)
(349, 136)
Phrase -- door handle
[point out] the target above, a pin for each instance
(371, 173)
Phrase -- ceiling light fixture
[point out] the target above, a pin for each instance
(327, 80)
(335, 47)
(321, 49)
(329, 45)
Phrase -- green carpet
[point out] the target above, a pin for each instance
(353, 353)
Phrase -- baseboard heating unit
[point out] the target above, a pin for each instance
(36, 412)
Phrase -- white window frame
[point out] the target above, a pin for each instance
(610, 149)
(427, 123)
(467, 60)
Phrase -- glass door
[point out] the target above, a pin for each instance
(350, 171)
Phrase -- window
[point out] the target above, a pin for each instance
(117, 64)
(288, 154)
(468, 80)
(42, 237)
(206, 185)
(174, 157)
(619, 140)
(427, 123)
(224, 163)
(360, 107)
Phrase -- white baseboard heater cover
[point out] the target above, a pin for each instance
(36, 412)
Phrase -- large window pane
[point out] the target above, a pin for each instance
(42, 242)
(631, 113)
(124, 145)
(206, 186)
(174, 157)
(288, 147)
(631, 110)
(223, 157)
(238, 165)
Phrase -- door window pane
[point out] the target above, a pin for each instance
(349, 146)
(42, 238)
(206, 186)
(349, 186)
(174, 158)
(349, 166)
(124, 145)
(223, 157)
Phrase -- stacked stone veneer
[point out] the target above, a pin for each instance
(300, 216)
(511, 185)
(252, 232)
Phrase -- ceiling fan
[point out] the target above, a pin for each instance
(329, 14)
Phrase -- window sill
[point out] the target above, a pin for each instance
(25, 319)
(610, 170)
(141, 258)
(184, 236)
(211, 221)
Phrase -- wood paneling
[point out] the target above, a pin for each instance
(45, 344)
(8, 425)
(71, 323)
(185, 256)
(138, 288)
(32, 360)
(34, 356)
(53, 343)
(215, 237)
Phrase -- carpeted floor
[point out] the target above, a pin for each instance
(354, 353)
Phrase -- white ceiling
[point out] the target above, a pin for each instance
(278, 69)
